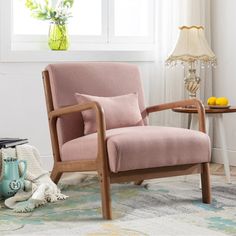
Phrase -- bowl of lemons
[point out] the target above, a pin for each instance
(220, 102)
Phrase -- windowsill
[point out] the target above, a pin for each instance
(30, 52)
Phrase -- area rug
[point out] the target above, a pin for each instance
(170, 206)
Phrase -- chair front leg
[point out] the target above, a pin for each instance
(104, 180)
(205, 180)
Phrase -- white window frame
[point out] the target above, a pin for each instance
(106, 47)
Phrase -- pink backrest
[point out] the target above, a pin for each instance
(94, 78)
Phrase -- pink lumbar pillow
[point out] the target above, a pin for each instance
(119, 111)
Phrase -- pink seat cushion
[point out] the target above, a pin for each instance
(119, 111)
(143, 147)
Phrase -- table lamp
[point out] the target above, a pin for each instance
(192, 49)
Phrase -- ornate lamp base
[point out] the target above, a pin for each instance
(192, 83)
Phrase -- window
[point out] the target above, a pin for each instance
(86, 25)
(94, 20)
(87, 19)
(131, 19)
(96, 25)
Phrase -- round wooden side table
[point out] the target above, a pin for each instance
(216, 113)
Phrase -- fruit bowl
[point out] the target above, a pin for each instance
(218, 106)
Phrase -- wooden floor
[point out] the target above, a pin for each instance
(218, 169)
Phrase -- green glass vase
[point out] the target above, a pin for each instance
(58, 38)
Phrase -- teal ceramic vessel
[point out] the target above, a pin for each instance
(12, 181)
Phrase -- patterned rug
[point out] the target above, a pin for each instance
(170, 206)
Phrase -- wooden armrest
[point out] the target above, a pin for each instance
(76, 108)
(189, 102)
(100, 121)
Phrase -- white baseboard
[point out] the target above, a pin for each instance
(217, 156)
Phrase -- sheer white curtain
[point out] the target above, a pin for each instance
(167, 84)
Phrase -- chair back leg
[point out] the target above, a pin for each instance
(139, 182)
(205, 180)
(55, 175)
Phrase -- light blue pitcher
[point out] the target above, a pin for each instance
(12, 181)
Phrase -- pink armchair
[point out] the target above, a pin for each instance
(119, 154)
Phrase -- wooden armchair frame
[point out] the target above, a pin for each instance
(106, 177)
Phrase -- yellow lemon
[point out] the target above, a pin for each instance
(222, 101)
(211, 101)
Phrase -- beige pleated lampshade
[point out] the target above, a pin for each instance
(192, 46)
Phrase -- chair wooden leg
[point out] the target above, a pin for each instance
(105, 194)
(55, 175)
(206, 186)
(138, 182)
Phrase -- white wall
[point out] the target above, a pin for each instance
(23, 111)
(224, 79)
